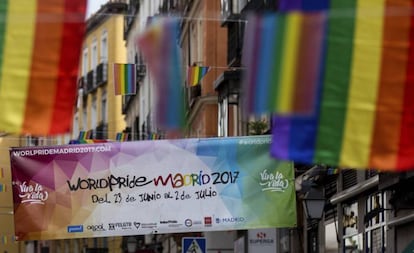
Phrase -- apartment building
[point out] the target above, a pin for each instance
(98, 108)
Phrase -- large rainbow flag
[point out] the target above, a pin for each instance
(159, 46)
(363, 117)
(40, 44)
(282, 58)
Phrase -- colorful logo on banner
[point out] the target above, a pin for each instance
(73, 191)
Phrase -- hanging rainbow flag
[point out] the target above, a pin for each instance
(84, 135)
(124, 79)
(154, 136)
(282, 56)
(195, 74)
(122, 136)
(159, 46)
(40, 44)
(364, 114)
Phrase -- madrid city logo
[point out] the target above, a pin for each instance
(274, 182)
(32, 194)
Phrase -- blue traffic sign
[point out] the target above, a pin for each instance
(193, 245)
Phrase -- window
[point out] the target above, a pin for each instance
(94, 60)
(352, 241)
(225, 8)
(104, 107)
(223, 118)
(331, 240)
(76, 125)
(84, 119)
(94, 111)
(104, 47)
(85, 66)
(375, 234)
(94, 56)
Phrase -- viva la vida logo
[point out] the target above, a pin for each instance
(274, 182)
(32, 194)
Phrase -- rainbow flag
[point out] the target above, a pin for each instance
(84, 135)
(3, 187)
(124, 79)
(159, 46)
(195, 74)
(122, 136)
(40, 45)
(154, 136)
(87, 141)
(282, 58)
(363, 115)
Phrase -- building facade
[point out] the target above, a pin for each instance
(137, 108)
(98, 108)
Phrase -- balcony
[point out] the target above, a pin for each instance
(126, 102)
(235, 43)
(101, 74)
(95, 78)
(90, 80)
(132, 10)
(101, 131)
(141, 67)
(193, 93)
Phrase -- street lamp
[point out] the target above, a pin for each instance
(314, 203)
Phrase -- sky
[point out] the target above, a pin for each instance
(93, 6)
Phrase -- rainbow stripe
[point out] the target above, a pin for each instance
(159, 47)
(124, 79)
(363, 118)
(195, 74)
(40, 43)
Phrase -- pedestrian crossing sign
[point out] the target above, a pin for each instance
(193, 245)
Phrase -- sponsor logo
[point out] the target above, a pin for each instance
(230, 220)
(137, 224)
(274, 182)
(75, 229)
(148, 225)
(32, 193)
(120, 225)
(168, 222)
(188, 222)
(208, 221)
(98, 227)
(197, 222)
(176, 225)
(262, 239)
